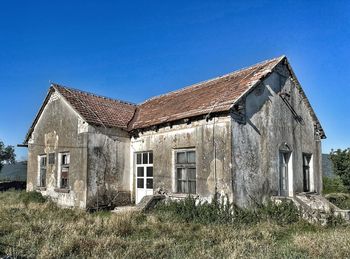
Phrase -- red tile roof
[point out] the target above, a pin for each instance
(215, 95)
(98, 110)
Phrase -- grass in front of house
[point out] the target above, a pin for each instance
(38, 228)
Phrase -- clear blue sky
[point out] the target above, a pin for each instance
(133, 50)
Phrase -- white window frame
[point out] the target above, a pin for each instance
(59, 171)
(40, 182)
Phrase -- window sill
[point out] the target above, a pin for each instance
(62, 190)
(41, 188)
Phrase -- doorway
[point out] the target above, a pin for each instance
(284, 157)
(144, 175)
(306, 172)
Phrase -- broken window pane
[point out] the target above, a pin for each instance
(64, 183)
(64, 177)
(64, 173)
(65, 159)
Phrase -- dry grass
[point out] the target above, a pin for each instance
(44, 231)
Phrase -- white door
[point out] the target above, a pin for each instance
(144, 175)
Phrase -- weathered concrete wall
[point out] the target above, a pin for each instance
(201, 135)
(234, 159)
(108, 167)
(269, 125)
(57, 131)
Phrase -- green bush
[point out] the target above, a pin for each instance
(341, 164)
(333, 185)
(221, 211)
(31, 197)
(282, 213)
(341, 200)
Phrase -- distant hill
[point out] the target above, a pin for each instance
(327, 166)
(14, 172)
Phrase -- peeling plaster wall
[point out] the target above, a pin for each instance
(198, 135)
(57, 131)
(256, 144)
(108, 167)
(234, 159)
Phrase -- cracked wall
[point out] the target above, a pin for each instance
(57, 131)
(108, 167)
(210, 164)
(256, 144)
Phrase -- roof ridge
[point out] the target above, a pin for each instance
(213, 79)
(94, 95)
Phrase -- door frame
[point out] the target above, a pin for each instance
(289, 191)
(310, 180)
(284, 159)
(141, 192)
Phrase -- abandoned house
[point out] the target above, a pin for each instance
(248, 135)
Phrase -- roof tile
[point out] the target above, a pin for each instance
(215, 95)
(98, 110)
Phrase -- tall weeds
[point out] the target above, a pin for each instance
(174, 230)
(222, 211)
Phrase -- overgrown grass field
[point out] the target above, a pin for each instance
(37, 228)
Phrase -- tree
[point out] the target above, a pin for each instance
(341, 163)
(7, 154)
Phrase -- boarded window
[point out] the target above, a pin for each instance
(185, 171)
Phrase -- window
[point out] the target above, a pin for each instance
(185, 170)
(144, 167)
(64, 159)
(42, 171)
(51, 158)
(306, 172)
